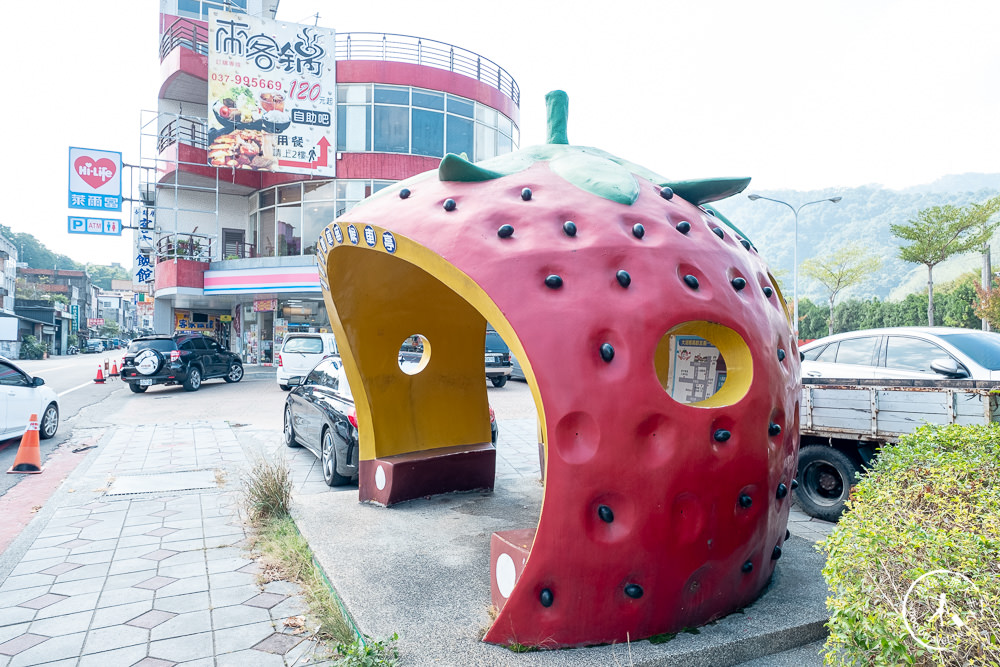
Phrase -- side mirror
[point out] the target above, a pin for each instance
(37, 382)
(296, 381)
(948, 367)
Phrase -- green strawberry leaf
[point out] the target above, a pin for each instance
(598, 176)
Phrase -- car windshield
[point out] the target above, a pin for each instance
(981, 347)
(161, 344)
(494, 343)
(307, 345)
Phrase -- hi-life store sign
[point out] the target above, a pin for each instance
(95, 180)
(272, 90)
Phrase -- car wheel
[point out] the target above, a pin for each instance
(499, 380)
(235, 373)
(288, 432)
(825, 479)
(50, 422)
(329, 461)
(136, 387)
(193, 381)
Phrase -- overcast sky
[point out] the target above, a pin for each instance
(805, 95)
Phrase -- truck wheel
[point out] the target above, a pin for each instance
(499, 380)
(825, 479)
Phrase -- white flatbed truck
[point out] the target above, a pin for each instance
(843, 423)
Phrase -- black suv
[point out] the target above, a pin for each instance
(498, 364)
(184, 358)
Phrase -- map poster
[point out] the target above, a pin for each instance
(272, 90)
(696, 372)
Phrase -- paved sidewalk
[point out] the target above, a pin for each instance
(138, 560)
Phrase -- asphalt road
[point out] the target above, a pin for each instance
(72, 378)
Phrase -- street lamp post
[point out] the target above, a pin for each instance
(795, 251)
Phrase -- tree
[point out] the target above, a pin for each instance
(982, 214)
(937, 233)
(843, 268)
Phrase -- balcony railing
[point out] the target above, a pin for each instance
(183, 245)
(188, 33)
(193, 35)
(186, 130)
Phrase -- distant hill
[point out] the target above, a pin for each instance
(864, 214)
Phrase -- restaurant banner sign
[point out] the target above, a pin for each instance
(271, 95)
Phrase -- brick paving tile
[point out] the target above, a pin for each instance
(165, 513)
(21, 643)
(84, 523)
(61, 568)
(43, 601)
(74, 544)
(251, 568)
(151, 619)
(155, 583)
(159, 554)
(160, 532)
(265, 600)
(154, 662)
(277, 643)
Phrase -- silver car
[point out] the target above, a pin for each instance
(926, 353)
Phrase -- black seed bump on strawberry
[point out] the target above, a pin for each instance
(570, 228)
(404, 193)
(718, 232)
(788, 534)
(638, 230)
(526, 194)
(691, 281)
(745, 243)
(666, 193)
(607, 352)
(768, 292)
(634, 591)
(781, 492)
(745, 501)
(505, 231)
(721, 435)
(683, 227)
(781, 354)
(606, 513)
(450, 205)
(553, 281)
(546, 598)
(748, 567)
(624, 279)
(776, 553)
(738, 283)
(773, 429)
(795, 484)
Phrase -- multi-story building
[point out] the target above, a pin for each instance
(230, 249)
(56, 304)
(8, 319)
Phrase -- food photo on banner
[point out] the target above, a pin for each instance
(271, 94)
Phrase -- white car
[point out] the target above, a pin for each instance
(299, 354)
(23, 396)
(928, 353)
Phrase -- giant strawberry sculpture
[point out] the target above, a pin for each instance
(660, 512)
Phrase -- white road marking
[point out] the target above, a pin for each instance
(85, 384)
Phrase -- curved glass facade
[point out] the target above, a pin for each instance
(378, 118)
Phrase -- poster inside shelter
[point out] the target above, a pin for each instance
(697, 369)
(271, 95)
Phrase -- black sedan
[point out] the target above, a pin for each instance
(319, 413)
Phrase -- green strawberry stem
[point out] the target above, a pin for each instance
(557, 111)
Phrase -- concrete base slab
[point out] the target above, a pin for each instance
(124, 485)
(422, 569)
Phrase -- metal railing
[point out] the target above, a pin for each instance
(185, 245)
(186, 130)
(191, 34)
(188, 33)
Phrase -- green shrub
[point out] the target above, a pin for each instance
(32, 348)
(929, 504)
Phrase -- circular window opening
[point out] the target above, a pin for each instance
(703, 364)
(414, 354)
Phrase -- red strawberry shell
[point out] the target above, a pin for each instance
(658, 515)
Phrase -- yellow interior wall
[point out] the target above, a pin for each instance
(739, 363)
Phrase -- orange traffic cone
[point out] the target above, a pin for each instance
(28, 459)
(100, 375)
(114, 369)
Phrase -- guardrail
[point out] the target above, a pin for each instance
(193, 35)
